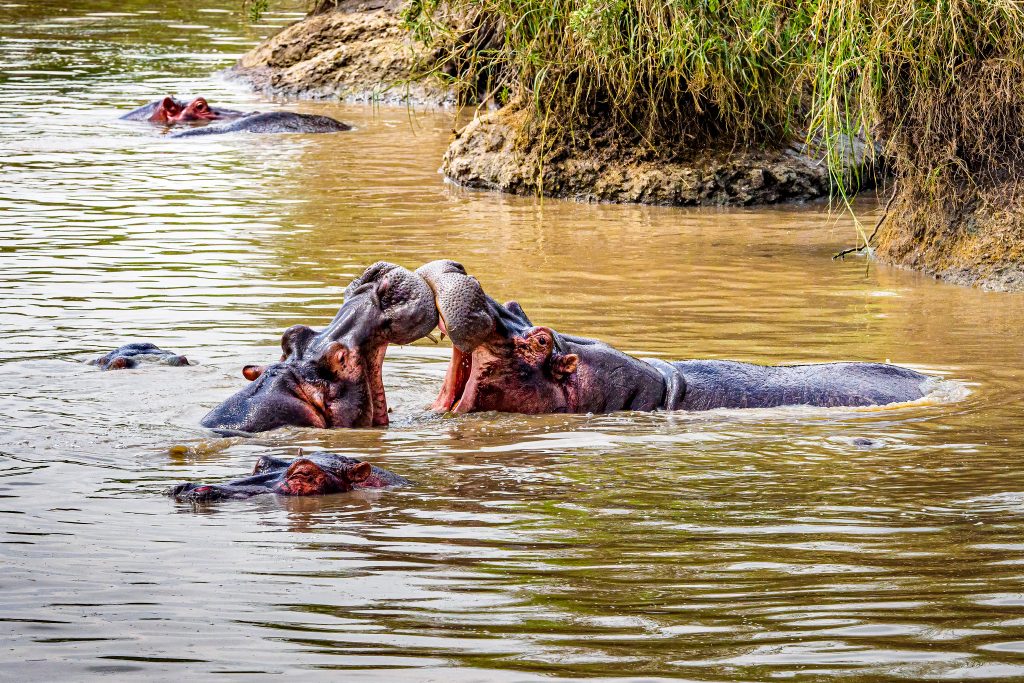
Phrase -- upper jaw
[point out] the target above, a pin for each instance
(386, 304)
(465, 312)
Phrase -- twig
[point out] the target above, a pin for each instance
(881, 219)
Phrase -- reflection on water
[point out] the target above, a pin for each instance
(728, 545)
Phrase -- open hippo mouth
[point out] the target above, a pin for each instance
(333, 378)
(500, 361)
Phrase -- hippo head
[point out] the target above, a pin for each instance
(167, 111)
(198, 110)
(332, 378)
(317, 475)
(500, 361)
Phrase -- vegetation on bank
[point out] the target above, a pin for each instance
(934, 84)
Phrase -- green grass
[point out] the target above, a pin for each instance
(938, 82)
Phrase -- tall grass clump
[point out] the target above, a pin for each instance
(682, 72)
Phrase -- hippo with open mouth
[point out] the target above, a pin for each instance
(332, 378)
(313, 475)
(502, 362)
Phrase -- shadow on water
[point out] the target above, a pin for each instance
(731, 545)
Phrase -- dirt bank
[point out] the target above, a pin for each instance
(488, 154)
(980, 243)
(359, 52)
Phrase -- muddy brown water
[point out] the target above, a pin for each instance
(727, 546)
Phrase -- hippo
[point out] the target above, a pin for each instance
(313, 475)
(271, 122)
(131, 355)
(332, 378)
(170, 111)
(503, 362)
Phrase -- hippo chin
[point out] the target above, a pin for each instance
(133, 355)
(502, 362)
(313, 475)
(170, 111)
(332, 378)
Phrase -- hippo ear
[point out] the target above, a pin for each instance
(295, 340)
(253, 372)
(170, 105)
(564, 365)
(361, 471)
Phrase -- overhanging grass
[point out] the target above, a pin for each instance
(937, 82)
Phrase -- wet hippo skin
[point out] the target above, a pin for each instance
(332, 378)
(170, 111)
(271, 122)
(501, 361)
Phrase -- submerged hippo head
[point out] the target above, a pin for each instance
(134, 354)
(332, 378)
(170, 111)
(500, 361)
(313, 475)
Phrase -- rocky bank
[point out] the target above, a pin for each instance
(488, 153)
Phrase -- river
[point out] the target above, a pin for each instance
(725, 546)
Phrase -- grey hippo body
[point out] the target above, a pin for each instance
(270, 122)
(501, 361)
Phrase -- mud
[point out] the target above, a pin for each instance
(979, 243)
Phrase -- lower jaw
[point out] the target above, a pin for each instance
(456, 379)
(375, 381)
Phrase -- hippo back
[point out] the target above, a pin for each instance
(271, 122)
(730, 384)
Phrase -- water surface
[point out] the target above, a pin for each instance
(729, 545)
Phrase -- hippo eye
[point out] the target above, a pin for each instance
(543, 341)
